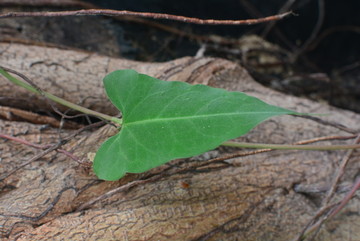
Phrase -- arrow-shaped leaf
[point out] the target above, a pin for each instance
(168, 120)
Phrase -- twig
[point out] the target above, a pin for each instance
(328, 215)
(50, 149)
(306, 230)
(109, 12)
(34, 158)
(12, 40)
(349, 67)
(325, 138)
(198, 165)
(13, 114)
(340, 173)
(164, 173)
(284, 8)
(314, 33)
(310, 229)
(290, 147)
(330, 123)
(117, 190)
(347, 198)
(248, 153)
(256, 13)
(42, 147)
(22, 141)
(41, 3)
(329, 31)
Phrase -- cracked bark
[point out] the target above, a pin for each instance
(247, 198)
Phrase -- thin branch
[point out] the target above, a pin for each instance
(347, 198)
(50, 149)
(340, 28)
(109, 12)
(34, 158)
(284, 8)
(330, 211)
(325, 138)
(311, 225)
(340, 173)
(330, 123)
(290, 147)
(14, 114)
(314, 33)
(248, 153)
(164, 173)
(48, 3)
(310, 229)
(251, 9)
(117, 190)
(22, 141)
(37, 146)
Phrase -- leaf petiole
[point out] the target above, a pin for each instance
(58, 99)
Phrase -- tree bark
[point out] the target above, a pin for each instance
(265, 196)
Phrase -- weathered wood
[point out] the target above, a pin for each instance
(248, 198)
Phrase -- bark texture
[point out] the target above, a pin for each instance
(254, 197)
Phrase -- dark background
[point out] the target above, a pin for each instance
(338, 48)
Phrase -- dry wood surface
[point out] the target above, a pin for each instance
(265, 196)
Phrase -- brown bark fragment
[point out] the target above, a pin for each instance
(13, 114)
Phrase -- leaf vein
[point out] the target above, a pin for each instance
(167, 119)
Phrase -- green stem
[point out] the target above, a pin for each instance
(119, 121)
(58, 99)
(289, 147)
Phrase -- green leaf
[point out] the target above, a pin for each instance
(168, 120)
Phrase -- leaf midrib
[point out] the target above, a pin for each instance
(168, 119)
